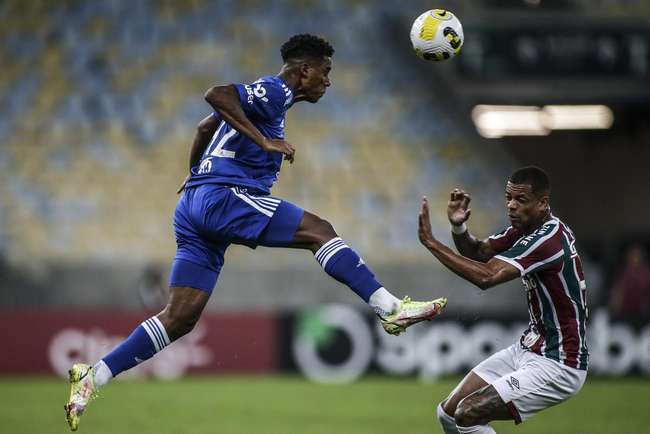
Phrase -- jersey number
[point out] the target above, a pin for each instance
(218, 151)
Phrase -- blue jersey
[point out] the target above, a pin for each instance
(232, 158)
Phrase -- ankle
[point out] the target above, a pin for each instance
(383, 302)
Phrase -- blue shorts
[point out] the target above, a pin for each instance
(210, 217)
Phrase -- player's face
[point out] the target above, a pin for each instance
(525, 210)
(315, 80)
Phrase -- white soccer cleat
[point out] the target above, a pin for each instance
(82, 390)
(412, 312)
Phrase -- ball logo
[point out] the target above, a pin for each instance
(441, 14)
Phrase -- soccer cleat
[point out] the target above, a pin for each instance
(82, 390)
(412, 312)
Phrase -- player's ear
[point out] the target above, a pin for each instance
(304, 69)
(544, 203)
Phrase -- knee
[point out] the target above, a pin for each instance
(322, 232)
(463, 414)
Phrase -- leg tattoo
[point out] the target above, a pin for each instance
(481, 407)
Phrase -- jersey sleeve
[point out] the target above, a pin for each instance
(263, 100)
(537, 251)
(504, 239)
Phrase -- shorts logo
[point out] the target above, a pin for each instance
(513, 382)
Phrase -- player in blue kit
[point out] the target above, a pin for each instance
(235, 158)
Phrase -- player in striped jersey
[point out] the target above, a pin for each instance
(549, 362)
(234, 160)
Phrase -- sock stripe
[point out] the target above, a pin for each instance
(156, 332)
(331, 254)
(327, 252)
(327, 247)
(161, 329)
(152, 336)
(156, 329)
(344, 264)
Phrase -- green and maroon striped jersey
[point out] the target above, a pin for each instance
(551, 271)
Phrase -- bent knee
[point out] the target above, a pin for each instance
(463, 415)
(321, 233)
(325, 230)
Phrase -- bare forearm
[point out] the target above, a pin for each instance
(469, 246)
(484, 275)
(225, 101)
(202, 137)
(471, 270)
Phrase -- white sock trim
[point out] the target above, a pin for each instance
(383, 302)
(447, 422)
(324, 247)
(476, 429)
(101, 373)
(162, 330)
(329, 249)
(156, 332)
(331, 254)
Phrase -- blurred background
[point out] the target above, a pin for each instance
(99, 101)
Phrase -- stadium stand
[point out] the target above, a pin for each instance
(102, 99)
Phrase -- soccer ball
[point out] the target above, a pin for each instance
(437, 35)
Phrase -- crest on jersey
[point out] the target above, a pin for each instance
(206, 166)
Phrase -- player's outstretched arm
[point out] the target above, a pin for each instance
(458, 212)
(483, 275)
(225, 101)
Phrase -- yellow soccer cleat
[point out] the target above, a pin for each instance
(412, 312)
(82, 390)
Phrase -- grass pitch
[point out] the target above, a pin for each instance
(291, 405)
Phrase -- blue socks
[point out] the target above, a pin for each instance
(342, 263)
(145, 341)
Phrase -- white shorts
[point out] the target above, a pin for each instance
(527, 382)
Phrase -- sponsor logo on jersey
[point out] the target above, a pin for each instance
(258, 92)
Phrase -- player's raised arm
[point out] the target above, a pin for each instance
(483, 275)
(458, 212)
(225, 100)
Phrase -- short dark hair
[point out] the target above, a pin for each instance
(305, 46)
(533, 176)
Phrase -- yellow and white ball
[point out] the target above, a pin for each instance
(437, 35)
